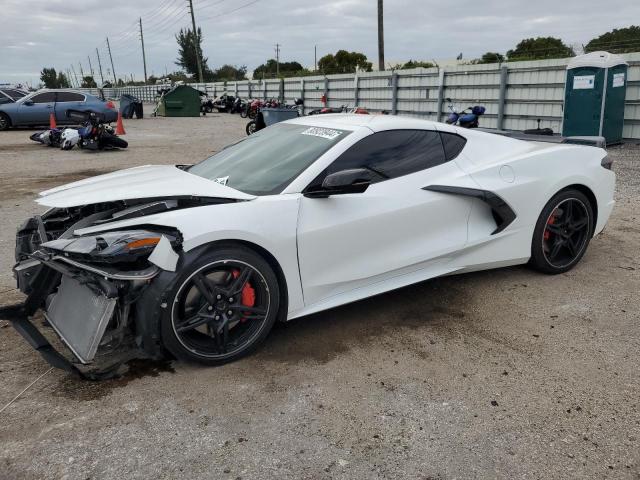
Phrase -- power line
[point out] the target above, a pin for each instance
(204, 6)
(230, 11)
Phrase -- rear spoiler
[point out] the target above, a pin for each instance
(595, 141)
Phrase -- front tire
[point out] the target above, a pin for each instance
(562, 233)
(5, 121)
(221, 307)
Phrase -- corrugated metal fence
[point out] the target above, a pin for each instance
(515, 94)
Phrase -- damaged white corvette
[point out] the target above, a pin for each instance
(200, 261)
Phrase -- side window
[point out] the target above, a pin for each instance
(453, 144)
(70, 97)
(45, 97)
(390, 154)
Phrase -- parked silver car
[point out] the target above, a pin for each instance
(36, 108)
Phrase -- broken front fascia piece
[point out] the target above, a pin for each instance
(164, 256)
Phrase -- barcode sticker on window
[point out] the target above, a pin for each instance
(327, 133)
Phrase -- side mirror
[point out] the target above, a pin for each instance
(355, 180)
(28, 102)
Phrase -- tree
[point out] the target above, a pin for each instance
(619, 40)
(88, 82)
(187, 54)
(49, 77)
(539, 48)
(415, 64)
(63, 81)
(344, 62)
(270, 68)
(230, 72)
(490, 57)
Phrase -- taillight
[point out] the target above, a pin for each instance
(607, 162)
(111, 105)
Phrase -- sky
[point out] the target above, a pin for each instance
(61, 33)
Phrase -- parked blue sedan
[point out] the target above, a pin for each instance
(35, 109)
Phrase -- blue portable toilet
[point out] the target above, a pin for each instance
(594, 96)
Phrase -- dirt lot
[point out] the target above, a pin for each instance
(499, 374)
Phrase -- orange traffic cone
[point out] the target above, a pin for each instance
(119, 125)
(52, 121)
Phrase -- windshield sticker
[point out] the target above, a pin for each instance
(222, 180)
(327, 133)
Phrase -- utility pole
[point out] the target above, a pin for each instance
(196, 41)
(113, 69)
(277, 59)
(315, 58)
(90, 66)
(74, 74)
(144, 58)
(70, 78)
(100, 68)
(380, 36)
(81, 72)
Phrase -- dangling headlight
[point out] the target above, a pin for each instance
(121, 246)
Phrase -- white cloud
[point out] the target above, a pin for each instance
(59, 33)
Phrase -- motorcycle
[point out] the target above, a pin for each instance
(467, 118)
(224, 103)
(239, 106)
(95, 134)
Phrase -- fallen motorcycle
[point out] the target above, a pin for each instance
(96, 134)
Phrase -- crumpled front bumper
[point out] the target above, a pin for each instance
(19, 315)
(78, 314)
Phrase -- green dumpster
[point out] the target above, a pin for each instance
(180, 101)
(594, 96)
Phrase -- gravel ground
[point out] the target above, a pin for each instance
(497, 374)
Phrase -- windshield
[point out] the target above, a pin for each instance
(267, 161)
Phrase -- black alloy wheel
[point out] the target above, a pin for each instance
(223, 309)
(563, 232)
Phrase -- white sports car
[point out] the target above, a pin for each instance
(306, 215)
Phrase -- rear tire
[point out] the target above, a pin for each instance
(109, 140)
(5, 121)
(562, 234)
(210, 317)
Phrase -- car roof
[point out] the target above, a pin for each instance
(374, 122)
(71, 90)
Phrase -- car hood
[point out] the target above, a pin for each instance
(150, 181)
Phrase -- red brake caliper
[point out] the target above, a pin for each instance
(547, 233)
(248, 294)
